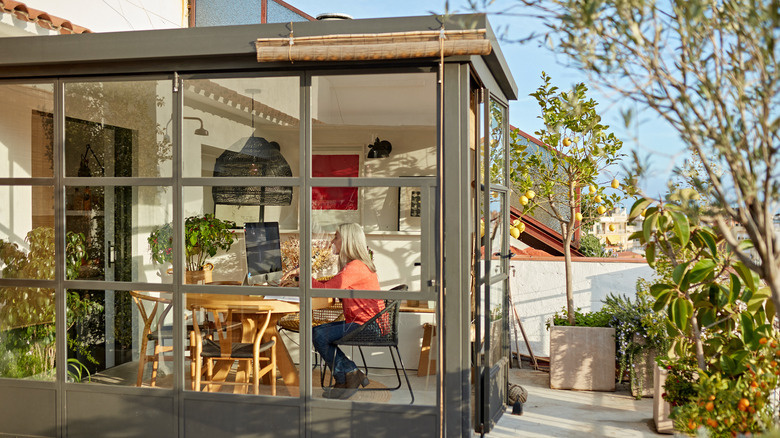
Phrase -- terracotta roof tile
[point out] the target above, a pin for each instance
(40, 18)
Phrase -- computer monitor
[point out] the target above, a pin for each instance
(263, 252)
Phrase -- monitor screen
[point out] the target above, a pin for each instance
(263, 251)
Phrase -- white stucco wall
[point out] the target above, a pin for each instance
(117, 15)
(538, 290)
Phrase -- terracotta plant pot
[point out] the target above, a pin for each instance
(200, 277)
(203, 276)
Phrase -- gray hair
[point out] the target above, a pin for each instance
(353, 246)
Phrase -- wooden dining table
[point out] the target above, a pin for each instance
(243, 311)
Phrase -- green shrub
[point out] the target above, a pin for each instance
(598, 318)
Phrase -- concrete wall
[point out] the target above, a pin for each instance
(538, 290)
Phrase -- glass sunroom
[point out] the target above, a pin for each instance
(155, 187)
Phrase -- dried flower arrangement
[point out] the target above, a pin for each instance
(322, 260)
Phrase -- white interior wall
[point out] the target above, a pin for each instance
(16, 106)
(538, 290)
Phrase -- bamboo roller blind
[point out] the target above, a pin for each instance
(377, 46)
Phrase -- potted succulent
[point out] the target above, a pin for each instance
(203, 237)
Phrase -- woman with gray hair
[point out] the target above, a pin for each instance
(356, 271)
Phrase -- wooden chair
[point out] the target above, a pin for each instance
(153, 334)
(225, 348)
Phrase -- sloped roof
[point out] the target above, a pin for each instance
(47, 21)
(539, 236)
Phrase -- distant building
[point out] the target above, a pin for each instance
(613, 230)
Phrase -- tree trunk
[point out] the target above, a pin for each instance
(569, 286)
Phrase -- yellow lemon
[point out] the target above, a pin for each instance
(567, 142)
(578, 216)
(601, 209)
(592, 188)
(514, 232)
(615, 183)
(530, 194)
(523, 200)
(597, 199)
(521, 227)
(515, 222)
(644, 212)
(611, 227)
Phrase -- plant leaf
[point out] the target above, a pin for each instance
(678, 273)
(701, 270)
(637, 208)
(649, 225)
(680, 310)
(681, 227)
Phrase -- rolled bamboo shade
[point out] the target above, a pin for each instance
(374, 46)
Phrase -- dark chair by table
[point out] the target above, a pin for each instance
(224, 349)
(380, 331)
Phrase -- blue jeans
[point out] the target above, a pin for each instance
(323, 336)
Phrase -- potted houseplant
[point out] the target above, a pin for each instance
(203, 237)
(582, 357)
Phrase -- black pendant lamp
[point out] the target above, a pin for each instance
(258, 157)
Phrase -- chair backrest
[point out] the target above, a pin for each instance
(379, 331)
(140, 297)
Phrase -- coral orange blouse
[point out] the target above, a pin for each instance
(355, 275)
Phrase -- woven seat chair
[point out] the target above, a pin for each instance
(379, 331)
(224, 349)
(154, 334)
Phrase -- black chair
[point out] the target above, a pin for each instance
(380, 331)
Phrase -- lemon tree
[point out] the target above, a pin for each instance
(579, 150)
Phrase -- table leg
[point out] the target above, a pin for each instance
(284, 361)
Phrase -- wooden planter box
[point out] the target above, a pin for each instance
(582, 358)
(661, 408)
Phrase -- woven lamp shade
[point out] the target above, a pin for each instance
(258, 157)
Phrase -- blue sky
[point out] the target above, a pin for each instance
(652, 137)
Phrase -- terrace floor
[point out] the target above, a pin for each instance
(558, 413)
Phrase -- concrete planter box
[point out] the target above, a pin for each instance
(661, 408)
(582, 358)
(645, 370)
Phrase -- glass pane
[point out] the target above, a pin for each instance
(388, 120)
(389, 323)
(385, 226)
(27, 232)
(120, 337)
(497, 230)
(497, 143)
(111, 226)
(242, 242)
(241, 127)
(26, 146)
(27, 333)
(234, 323)
(118, 129)
(497, 321)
